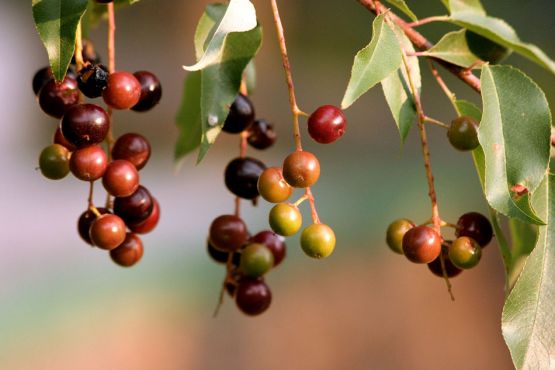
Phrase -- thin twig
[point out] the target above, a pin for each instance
(450, 95)
(423, 21)
(111, 69)
(435, 122)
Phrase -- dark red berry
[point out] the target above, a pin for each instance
(274, 242)
(450, 269)
(129, 252)
(123, 90)
(40, 79)
(327, 124)
(121, 178)
(241, 115)
(151, 91)
(136, 208)
(261, 134)
(134, 148)
(60, 139)
(85, 221)
(216, 254)
(107, 232)
(150, 223)
(421, 244)
(92, 80)
(241, 177)
(85, 124)
(253, 296)
(228, 233)
(56, 98)
(89, 163)
(475, 226)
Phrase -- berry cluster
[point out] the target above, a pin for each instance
(445, 258)
(77, 149)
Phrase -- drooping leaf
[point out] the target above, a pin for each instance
(402, 6)
(96, 12)
(57, 21)
(373, 63)
(464, 5)
(515, 136)
(212, 16)
(188, 117)
(396, 89)
(528, 314)
(453, 48)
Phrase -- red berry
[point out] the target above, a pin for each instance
(150, 223)
(121, 178)
(327, 124)
(85, 124)
(123, 90)
(301, 169)
(274, 242)
(421, 244)
(136, 208)
(134, 148)
(228, 233)
(85, 221)
(56, 98)
(129, 252)
(60, 139)
(107, 232)
(89, 163)
(151, 91)
(450, 269)
(475, 226)
(253, 296)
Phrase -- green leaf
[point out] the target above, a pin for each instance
(453, 48)
(57, 21)
(206, 26)
(396, 89)
(464, 5)
(250, 77)
(375, 62)
(188, 117)
(96, 12)
(402, 6)
(524, 237)
(515, 136)
(528, 314)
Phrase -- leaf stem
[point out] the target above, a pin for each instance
(423, 21)
(435, 122)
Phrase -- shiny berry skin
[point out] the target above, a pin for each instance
(261, 134)
(274, 242)
(151, 91)
(123, 90)
(273, 187)
(327, 124)
(256, 260)
(465, 253)
(40, 79)
(121, 178)
(85, 221)
(395, 232)
(60, 139)
(450, 269)
(129, 252)
(421, 244)
(150, 223)
(107, 232)
(54, 162)
(318, 241)
(475, 226)
(463, 133)
(85, 124)
(285, 219)
(241, 115)
(241, 177)
(88, 163)
(92, 80)
(134, 148)
(136, 208)
(253, 296)
(216, 254)
(56, 98)
(301, 169)
(228, 233)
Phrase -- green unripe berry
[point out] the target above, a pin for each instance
(54, 162)
(256, 260)
(395, 232)
(463, 133)
(465, 253)
(285, 219)
(318, 241)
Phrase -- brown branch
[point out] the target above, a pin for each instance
(421, 43)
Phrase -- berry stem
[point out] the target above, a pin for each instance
(91, 194)
(435, 122)
(111, 69)
(450, 95)
(312, 203)
(445, 277)
(300, 200)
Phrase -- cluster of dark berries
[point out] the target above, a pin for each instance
(422, 244)
(77, 149)
(463, 133)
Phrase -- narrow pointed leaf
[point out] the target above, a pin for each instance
(402, 6)
(453, 48)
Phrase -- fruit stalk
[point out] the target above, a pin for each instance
(111, 69)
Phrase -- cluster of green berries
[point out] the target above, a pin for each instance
(76, 148)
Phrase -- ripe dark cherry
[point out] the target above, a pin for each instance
(123, 90)
(261, 134)
(273, 187)
(129, 252)
(216, 254)
(60, 139)
(450, 269)
(54, 162)
(463, 133)
(85, 221)
(56, 98)
(253, 296)
(421, 244)
(92, 80)
(274, 242)
(150, 223)
(228, 233)
(241, 115)
(475, 226)
(136, 208)
(85, 124)
(40, 79)
(301, 169)
(89, 163)
(107, 232)
(134, 148)
(327, 124)
(121, 178)
(151, 91)
(241, 177)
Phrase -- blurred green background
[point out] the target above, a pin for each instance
(64, 305)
